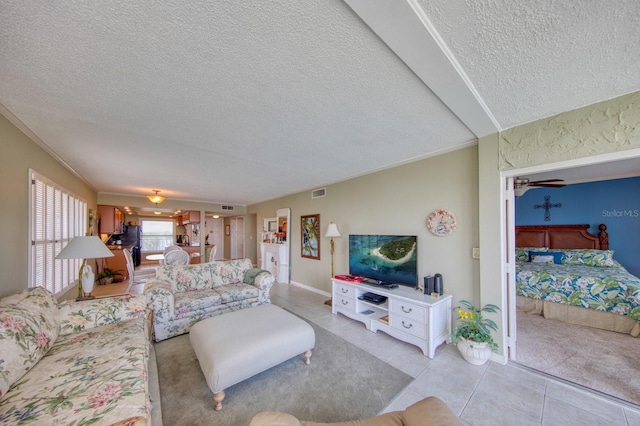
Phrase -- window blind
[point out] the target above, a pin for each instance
(57, 215)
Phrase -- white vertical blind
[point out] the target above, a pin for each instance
(57, 215)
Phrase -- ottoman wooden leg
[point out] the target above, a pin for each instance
(307, 355)
(217, 398)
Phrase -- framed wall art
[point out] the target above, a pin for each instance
(310, 231)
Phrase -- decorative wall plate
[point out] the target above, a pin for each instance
(441, 223)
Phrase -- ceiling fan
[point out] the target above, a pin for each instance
(549, 183)
(521, 185)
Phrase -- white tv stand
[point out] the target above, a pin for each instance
(413, 317)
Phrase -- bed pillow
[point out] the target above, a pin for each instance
(587, 257)
(545, 257)
(522, 253)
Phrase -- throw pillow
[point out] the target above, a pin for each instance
(545, 257)
(588, 257)
(28, 329)
(522, 253)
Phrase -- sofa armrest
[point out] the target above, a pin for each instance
(430, 411)
(259, 277)
(87, 314)
(159, 298)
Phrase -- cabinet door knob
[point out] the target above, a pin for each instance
(406, 326)
(406, 312)
(344, 303)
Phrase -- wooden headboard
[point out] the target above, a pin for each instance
(562, 237)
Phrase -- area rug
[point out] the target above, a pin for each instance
(601, 360)
(343, 382)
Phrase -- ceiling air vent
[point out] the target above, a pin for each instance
(228, 208)
(318, 193)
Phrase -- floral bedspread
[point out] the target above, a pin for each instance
(610, 289)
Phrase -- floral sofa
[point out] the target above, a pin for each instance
(75, 363)
(182, 295)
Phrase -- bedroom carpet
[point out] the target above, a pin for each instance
(342, 382)
(605, 361)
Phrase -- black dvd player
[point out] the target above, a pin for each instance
(373, 298)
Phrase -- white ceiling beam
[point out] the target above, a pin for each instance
(406, 29)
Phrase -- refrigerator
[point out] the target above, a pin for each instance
(130, 237)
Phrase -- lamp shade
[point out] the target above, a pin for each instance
(155, 198)
(89, 247)
(332, 230)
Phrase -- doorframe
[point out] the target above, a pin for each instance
(508, 244)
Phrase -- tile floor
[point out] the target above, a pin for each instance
(492, 394)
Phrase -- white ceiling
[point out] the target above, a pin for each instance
(240, 102)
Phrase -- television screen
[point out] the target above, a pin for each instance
(388, 258)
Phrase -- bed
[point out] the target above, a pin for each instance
(565, 273)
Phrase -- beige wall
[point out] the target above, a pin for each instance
(491, 233)
(602, 128)
(18, 153)
(394, 201)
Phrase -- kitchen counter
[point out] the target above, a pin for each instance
(118, 262)
(194, 251)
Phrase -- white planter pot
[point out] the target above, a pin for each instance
(474, 353)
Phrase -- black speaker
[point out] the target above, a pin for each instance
(429, 284)
(438, 286)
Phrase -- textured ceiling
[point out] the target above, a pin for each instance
(240, 102)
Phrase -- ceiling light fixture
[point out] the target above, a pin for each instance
(155, 198)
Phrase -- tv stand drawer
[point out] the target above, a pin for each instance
(408, 310)
(345, 291)
(345, 303)
(408, 325)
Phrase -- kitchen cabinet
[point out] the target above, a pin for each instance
(190, 217)
(111, 220)
(194, 253)
(118, 262)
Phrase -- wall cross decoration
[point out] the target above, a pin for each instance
(547, 206)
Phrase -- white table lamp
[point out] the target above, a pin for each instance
(332, 232)
(89, 247)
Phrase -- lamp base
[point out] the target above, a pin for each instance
(80, 298)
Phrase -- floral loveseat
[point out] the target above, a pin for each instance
(75, 363)
(181, 296)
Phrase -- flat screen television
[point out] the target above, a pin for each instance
(387, 258)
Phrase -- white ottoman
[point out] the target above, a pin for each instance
(235, 346)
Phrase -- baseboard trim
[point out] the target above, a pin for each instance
(312, 289)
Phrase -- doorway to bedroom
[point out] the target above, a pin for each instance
(596, 359)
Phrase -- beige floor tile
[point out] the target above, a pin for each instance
(492, 394)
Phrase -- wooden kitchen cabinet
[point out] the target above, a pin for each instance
(118, 262)
(191, 250)
(111, 220)
(190, 217)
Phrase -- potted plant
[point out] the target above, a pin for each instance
(107, 275)
(473, 336)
